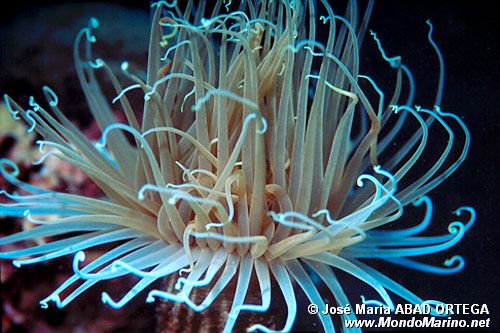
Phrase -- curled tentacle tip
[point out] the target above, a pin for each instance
(418, 201)
(468, 209)
(455, 227)
(184, 270)
(40, 144)
(375, 302)
(432, 302)
(277, 217)
(52, 97)
(263, 129)
(360, 181)
(451, 261)
(167, 4)
(94, 23)
(472, 217)
(79, 256)
(33, 103)
(318, 213)
(394, 108)
(97, 63)
(206, 22)
(105, 298)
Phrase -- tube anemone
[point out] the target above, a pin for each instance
(259, 154)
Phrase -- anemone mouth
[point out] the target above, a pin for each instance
(258, 150)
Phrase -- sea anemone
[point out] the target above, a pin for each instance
(260, 154)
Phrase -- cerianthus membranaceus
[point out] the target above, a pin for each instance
(260, 154)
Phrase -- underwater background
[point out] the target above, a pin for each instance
(36, 42)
